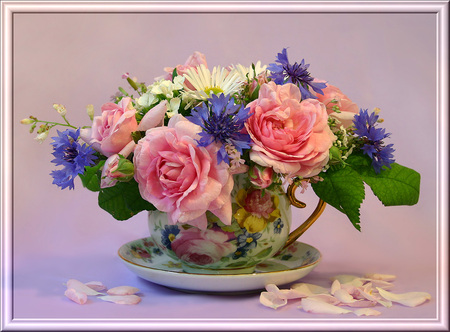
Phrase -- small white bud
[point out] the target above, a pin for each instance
(41, 137)
(60, 109)
(26, 121)
(90, 111)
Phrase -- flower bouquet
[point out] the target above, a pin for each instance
(209, 152)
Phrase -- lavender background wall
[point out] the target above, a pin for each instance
(378, 60)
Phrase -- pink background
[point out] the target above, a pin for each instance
(378, 60)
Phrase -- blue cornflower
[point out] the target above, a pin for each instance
(248, 240)
(374, 147)
(168, 234)
(222, 122)
(297, 74)
(72, 155)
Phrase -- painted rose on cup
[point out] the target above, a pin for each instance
(202, 247)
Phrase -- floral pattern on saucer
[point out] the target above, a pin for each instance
(145, 252)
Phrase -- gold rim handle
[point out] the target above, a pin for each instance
(296, 233)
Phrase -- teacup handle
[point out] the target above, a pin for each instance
(295, 234)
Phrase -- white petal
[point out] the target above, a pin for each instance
(343, 296)
(121, 299)
(410, 299)
(347, 279)
(382, 284)
(76, 296)
(362, 304)
(335, 286)
(123, 290)
(330, 299)
(309, 289)
(309, 304)
(271, 300)
(284, 293)
(378, 276)
(366, 312)
(80, 287)
(367, 292)
(96, 285)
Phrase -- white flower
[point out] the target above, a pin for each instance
(147, 99)
(206, 82)
(244, 71)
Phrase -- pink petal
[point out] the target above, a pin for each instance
(153, 117)
(312, 305)
(367, 292)
(123, 290)
(410, 299)
(96, 285)
(80, 287)
(335, 286)
(76, 296)
(271, 300)
(366, 312)
(121, 299)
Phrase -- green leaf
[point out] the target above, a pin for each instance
(264, 253)
(91, 176)
(123, 200)
(343, 189)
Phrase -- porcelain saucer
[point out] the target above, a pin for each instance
(146, 260)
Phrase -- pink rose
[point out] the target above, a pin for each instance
(290, 136)
(347, 108)
(111, 131)
(193, 61)
(261, 178)
(202, 247)
(181, 178)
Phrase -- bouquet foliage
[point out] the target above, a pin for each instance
(175, 145)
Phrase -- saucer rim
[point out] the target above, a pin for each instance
(223, 274)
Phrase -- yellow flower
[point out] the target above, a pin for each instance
(256, 209)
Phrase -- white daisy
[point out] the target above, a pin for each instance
(205, 82)
(243, 71)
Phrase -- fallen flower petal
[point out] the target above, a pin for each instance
(309, 289)
(330, 299)
(80, 287)
(361, 304)
(410, 299)
(348, 279)
(76, 296)
(343, 296)
(284, 293)
(367, 292)
(123, 290)
(335, 286)
(271, 300)
(381, 283)
(96, 285)
(121, 299)
(378, 276)
(366, 312)
(312, 305)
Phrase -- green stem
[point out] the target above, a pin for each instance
(67, 124)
